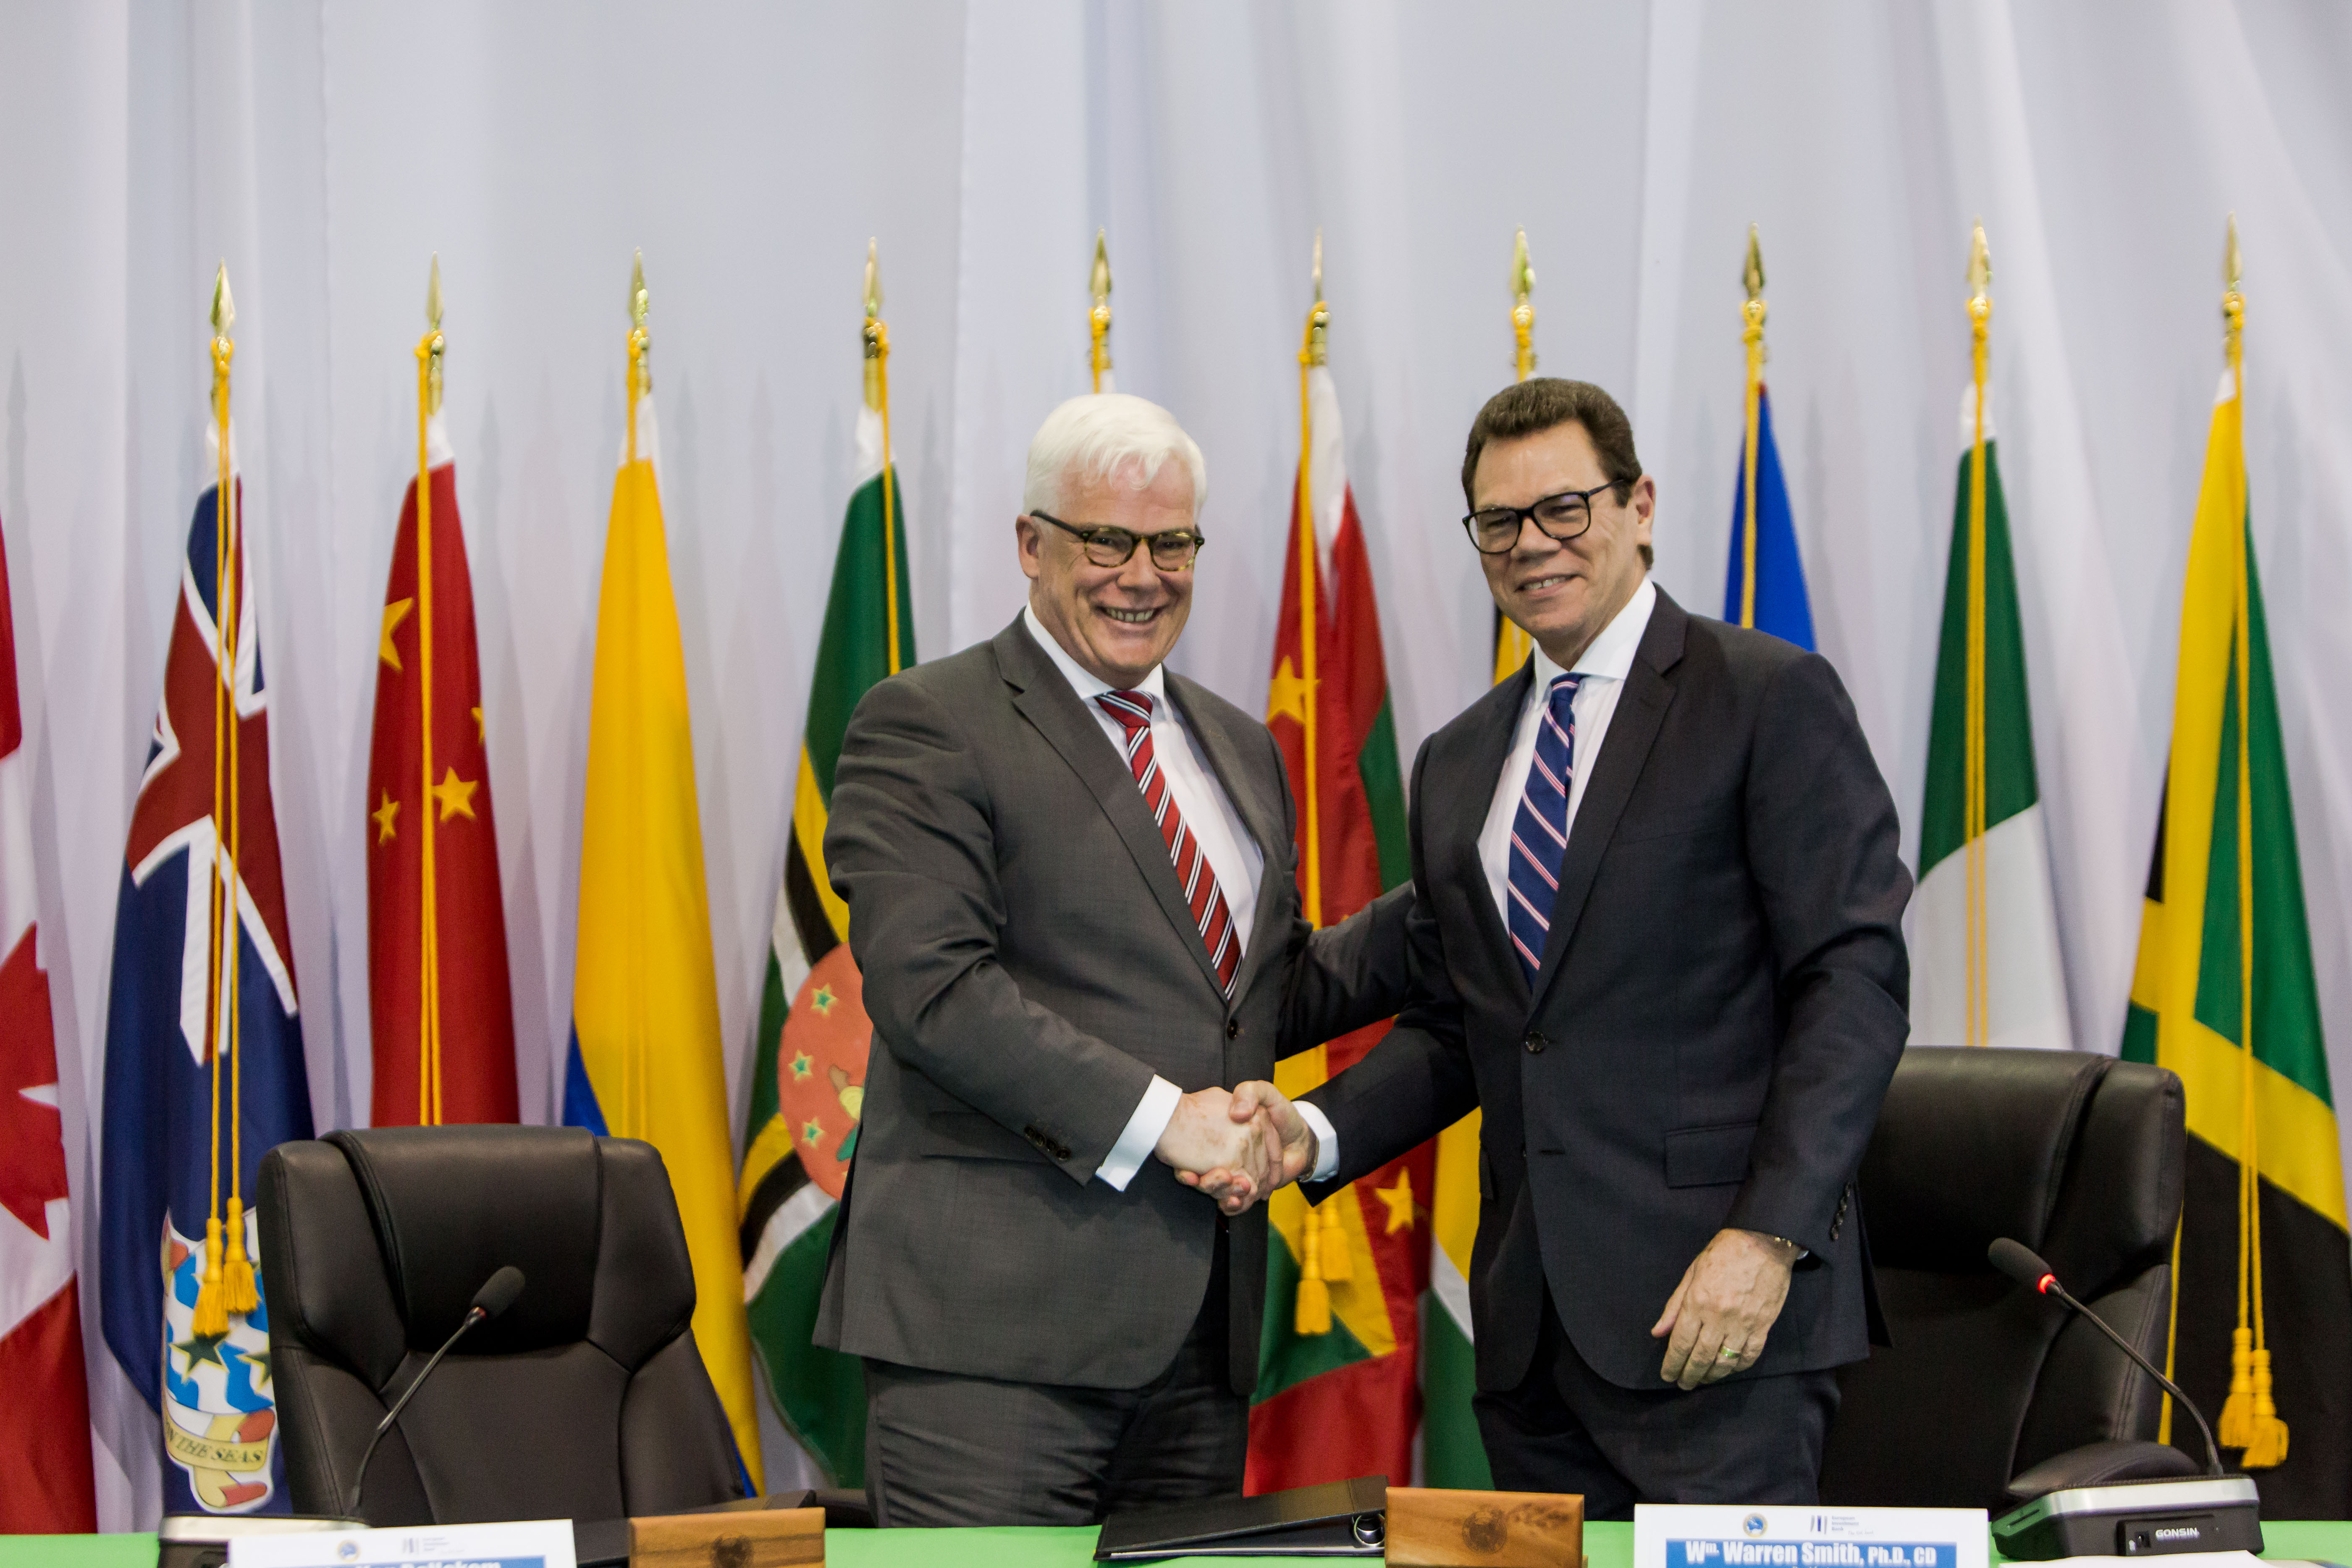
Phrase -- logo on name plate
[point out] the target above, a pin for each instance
(1753, 1525)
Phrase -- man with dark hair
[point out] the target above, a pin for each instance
(1655, 938)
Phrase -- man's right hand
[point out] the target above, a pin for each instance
(1292, 1149)
(1205, 1135)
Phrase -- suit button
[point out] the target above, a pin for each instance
(1233, 1029)
(1535, 1043)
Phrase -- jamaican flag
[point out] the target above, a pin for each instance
(809, 1060)
(2224, 994)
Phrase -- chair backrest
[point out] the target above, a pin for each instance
(2078, 1156)
(585, 1400)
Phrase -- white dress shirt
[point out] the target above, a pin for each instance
(1231, 853)
(1604, 665)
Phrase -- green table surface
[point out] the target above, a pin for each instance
(1607, 1545)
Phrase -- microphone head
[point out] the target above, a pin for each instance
(498, 1292)
(2020, 1263)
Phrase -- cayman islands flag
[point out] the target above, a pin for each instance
(203, 1048)
(808, 1068)
(1338, 1387)
(45, 1470)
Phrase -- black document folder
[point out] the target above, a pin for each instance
(1344, 1518)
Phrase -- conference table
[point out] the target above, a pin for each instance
(1605, 1546)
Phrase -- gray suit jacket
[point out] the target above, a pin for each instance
(1030, 963)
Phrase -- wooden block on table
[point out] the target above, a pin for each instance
(772, 1538)
(1429, 1527)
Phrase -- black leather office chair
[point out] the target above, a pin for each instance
(2079, 1157)
(585, 1400)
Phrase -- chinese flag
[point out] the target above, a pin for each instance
(444, 1024)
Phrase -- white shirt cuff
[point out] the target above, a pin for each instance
(1327, 1141)
(1152, 1115)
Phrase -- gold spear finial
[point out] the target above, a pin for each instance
(1316, 350)
(433, 341)
(876, 335)
(224, 307)
(638, 298)
(1751, 275)
(2233, 301)
(1979, 269)
(1523, 309)
(1098, 319)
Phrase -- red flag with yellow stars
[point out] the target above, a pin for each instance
(438, 989)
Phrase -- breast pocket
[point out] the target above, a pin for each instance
(1708, 1156)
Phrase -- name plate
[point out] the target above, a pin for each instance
(533, 1544)
(1712, 1536)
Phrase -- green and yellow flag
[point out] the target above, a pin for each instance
(808, 1073)
(644, 1058)
(2224, 994)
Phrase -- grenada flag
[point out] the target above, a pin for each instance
(644, 1059)
(1337, 1391)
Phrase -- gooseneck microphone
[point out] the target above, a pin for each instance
(2014, 1259)
(497, 1294)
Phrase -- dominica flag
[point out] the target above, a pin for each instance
(2224, 994)
(204, 1043)
(45, 1486)
(443, 1019)
(1764, 584)
(644, 1058)
(1337, 1367)
(1985, 965)
(808, 1071)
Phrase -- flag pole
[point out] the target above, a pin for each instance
(1511, 643)
(1098, 317)
(1972, 826)
(211, 1316)
(1313, 353)
(876, 338)
(428, 968)
(1752, 332)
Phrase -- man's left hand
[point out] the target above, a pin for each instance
(1715, 1323)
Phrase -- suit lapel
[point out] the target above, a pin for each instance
(1624, 748)
(1046, 700)
(1263, 823)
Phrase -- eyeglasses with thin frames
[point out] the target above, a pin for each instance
(1172, 549)
(1496, 530)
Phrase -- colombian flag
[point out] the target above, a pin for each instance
(644, 1058)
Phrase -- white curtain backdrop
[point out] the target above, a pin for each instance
(327, 152)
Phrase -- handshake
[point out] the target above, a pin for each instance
(1237, 1145)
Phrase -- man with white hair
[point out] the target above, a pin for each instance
(1072, 893)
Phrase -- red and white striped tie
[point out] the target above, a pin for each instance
(1132, 709)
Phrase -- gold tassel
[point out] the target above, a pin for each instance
(1339, 1264)
(236, 1276)
(1313, 1312)
(211, 1313)
(2267, 1441)
(2237, 1427)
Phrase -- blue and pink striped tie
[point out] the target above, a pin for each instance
(1540, 830)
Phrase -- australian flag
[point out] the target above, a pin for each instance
(182, 1139)
(1781, 606)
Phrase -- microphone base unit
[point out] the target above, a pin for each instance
(2136, 1518)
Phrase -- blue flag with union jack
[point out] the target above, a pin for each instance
(1779, 605)
(203, 1052)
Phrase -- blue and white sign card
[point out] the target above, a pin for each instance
(533, 1544)
(1723, 1536)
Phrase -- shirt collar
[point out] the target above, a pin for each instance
(1084, 681)
(1611, 655)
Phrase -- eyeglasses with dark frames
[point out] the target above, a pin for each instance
(1172, 549)
(1496, 530)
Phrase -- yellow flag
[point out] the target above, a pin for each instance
(646, 1061)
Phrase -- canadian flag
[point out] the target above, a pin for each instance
(45, 1469)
